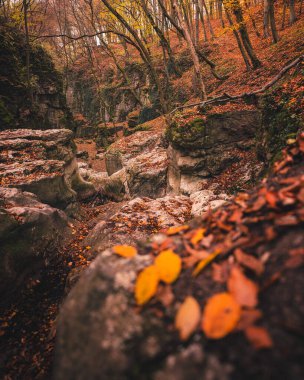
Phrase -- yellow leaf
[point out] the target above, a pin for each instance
(125, 251)
(220, 316)
(187, 318)
(168, 265)
(197, 237)
(203, 263)
(176, 230)
(146, 284)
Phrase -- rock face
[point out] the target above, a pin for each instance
(44, 163)
(49, 109)
(30, 233)
(137, 219)
(144, 160)
(206, 147)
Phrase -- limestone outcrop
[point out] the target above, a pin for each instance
(43, 163)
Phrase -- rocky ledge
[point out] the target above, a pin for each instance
(43, 163)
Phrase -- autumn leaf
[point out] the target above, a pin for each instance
(248, 318)
(168, 265)
(220, 316)
(203, 263)
(243, 290)
(146, 284)
(249, 261)
(175, 230)
(187, 318)
(125, 250)
(198, 235)
(258, 337)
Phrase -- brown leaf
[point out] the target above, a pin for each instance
(220, 316)
(165, 295)
(244, 290)
(248, 318)
(258, 337)
(220, 272)
(286, 220)
(249, 261)
(271, 199)
(258, 204)
(187, 318)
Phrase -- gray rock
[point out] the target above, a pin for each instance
(204, 200)
(137, 219)
(30, 233)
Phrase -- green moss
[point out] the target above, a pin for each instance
(282, 119)
(138, 128)
(185, 133)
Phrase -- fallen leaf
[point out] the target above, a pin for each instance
(243, 290)
(248, 318)
(271, 199)
(220, 316)
(258, 337)
(249, 261)
(203, 263)
(125, 250)
(198, 235)
(168, 265)
(175, 230)
(146, 284)
(165, 295)
(187, 318)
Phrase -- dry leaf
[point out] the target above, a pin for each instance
(165, 295)
(220, 316)
(249, 261)
(187, 318)
(146, 284)
(125, 250)
(176, 230)
(248, 318)
(258, 337)
(203, 263)
(243, 290)
(198, 235)
(168, 265)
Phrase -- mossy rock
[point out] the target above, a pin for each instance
(141, 127)
(188, 133)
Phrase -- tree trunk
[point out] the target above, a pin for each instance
(195, 59)
(292, 15)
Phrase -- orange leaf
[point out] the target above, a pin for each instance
(187, 318)
(125, 250)
(258, 337)
(168, 265)
(243, 290)
(221, 315)
(197, 237)
(146, 284)
(175, 230)
(203, 263)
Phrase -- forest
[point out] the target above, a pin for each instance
(151, 189)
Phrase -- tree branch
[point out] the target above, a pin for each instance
(226, 97)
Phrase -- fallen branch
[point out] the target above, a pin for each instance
(226, 97)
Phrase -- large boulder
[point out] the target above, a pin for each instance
(144, 159)
(44, 163)
(31, 234)
(137, 219)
